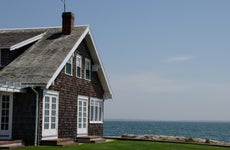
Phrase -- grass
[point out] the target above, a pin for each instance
(129, 145)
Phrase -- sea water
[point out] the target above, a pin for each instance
(206, 130)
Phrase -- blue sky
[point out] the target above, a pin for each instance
(166, 60)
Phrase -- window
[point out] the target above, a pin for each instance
(78, 66)
(50, 114)
(87, 69)
(69, 66)
(96, 110)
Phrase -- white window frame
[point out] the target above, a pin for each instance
(96, 115)
(81, 131)
(50, 133)
(70, 61)
(79, 64)
(90, 69)
(7, 134)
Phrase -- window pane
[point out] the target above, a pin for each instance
(92, 113)
(47, 112)
(79, 65)
(68, 69)
(87, 69)
(47, 99)
(78, 72)
(54, 106)
(53, 126)
(53, 119)
(53, 113)
(46, 126)
(46, 119)
(53, 100)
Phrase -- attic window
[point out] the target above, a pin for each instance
(79, 66)
(87, 69)
(69, 67)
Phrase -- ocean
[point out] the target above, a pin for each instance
(206, 130)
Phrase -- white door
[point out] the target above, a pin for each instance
(82, 116)
(50, 115)
(6, 109)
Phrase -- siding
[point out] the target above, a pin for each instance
(24, 106)
(69, 87)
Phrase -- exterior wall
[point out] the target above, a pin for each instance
(24, 106)
(96, 129)
(69, 87)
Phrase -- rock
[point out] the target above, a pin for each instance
(173, 139)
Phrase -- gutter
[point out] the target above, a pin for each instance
(36, 143)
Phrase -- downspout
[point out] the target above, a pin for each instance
(36, 143)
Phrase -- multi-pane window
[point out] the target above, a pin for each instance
(50, 114)
(96, 110)
(69, 66)
(87, 69)
(5, 112)
(78, 66)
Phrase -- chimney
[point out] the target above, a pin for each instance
(67, 22)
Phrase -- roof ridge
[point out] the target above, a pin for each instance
(38, 28)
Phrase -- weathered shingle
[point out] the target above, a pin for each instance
(37, 64)
(9, 38)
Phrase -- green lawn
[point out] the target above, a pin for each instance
(129, 145)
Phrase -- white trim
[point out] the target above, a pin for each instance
(32, 28)
(8, 135)
(71, 63)
(67, 58)
(45, 134)
(80, 57)
(87, 60)
(83, 131)
(93, 51)
(102, 67)
(23, 43)
(6, 89)
(102, 110)
(28, 41)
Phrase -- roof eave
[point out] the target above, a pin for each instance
(101, 72)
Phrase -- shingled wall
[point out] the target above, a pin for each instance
(69, 87)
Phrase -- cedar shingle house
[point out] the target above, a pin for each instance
(52, 83)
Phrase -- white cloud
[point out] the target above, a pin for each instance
(178, 59)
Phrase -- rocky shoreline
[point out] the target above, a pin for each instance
(175, 139)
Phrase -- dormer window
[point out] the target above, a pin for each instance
(69, 67)
(79, 66)
(87, 69)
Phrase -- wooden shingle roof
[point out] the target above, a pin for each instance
(44, 60)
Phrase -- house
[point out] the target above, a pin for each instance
(52, 83)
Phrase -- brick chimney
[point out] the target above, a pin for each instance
(67, 22)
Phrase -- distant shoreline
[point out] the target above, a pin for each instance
(192, 121)
(206, 130)
(170, 139)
